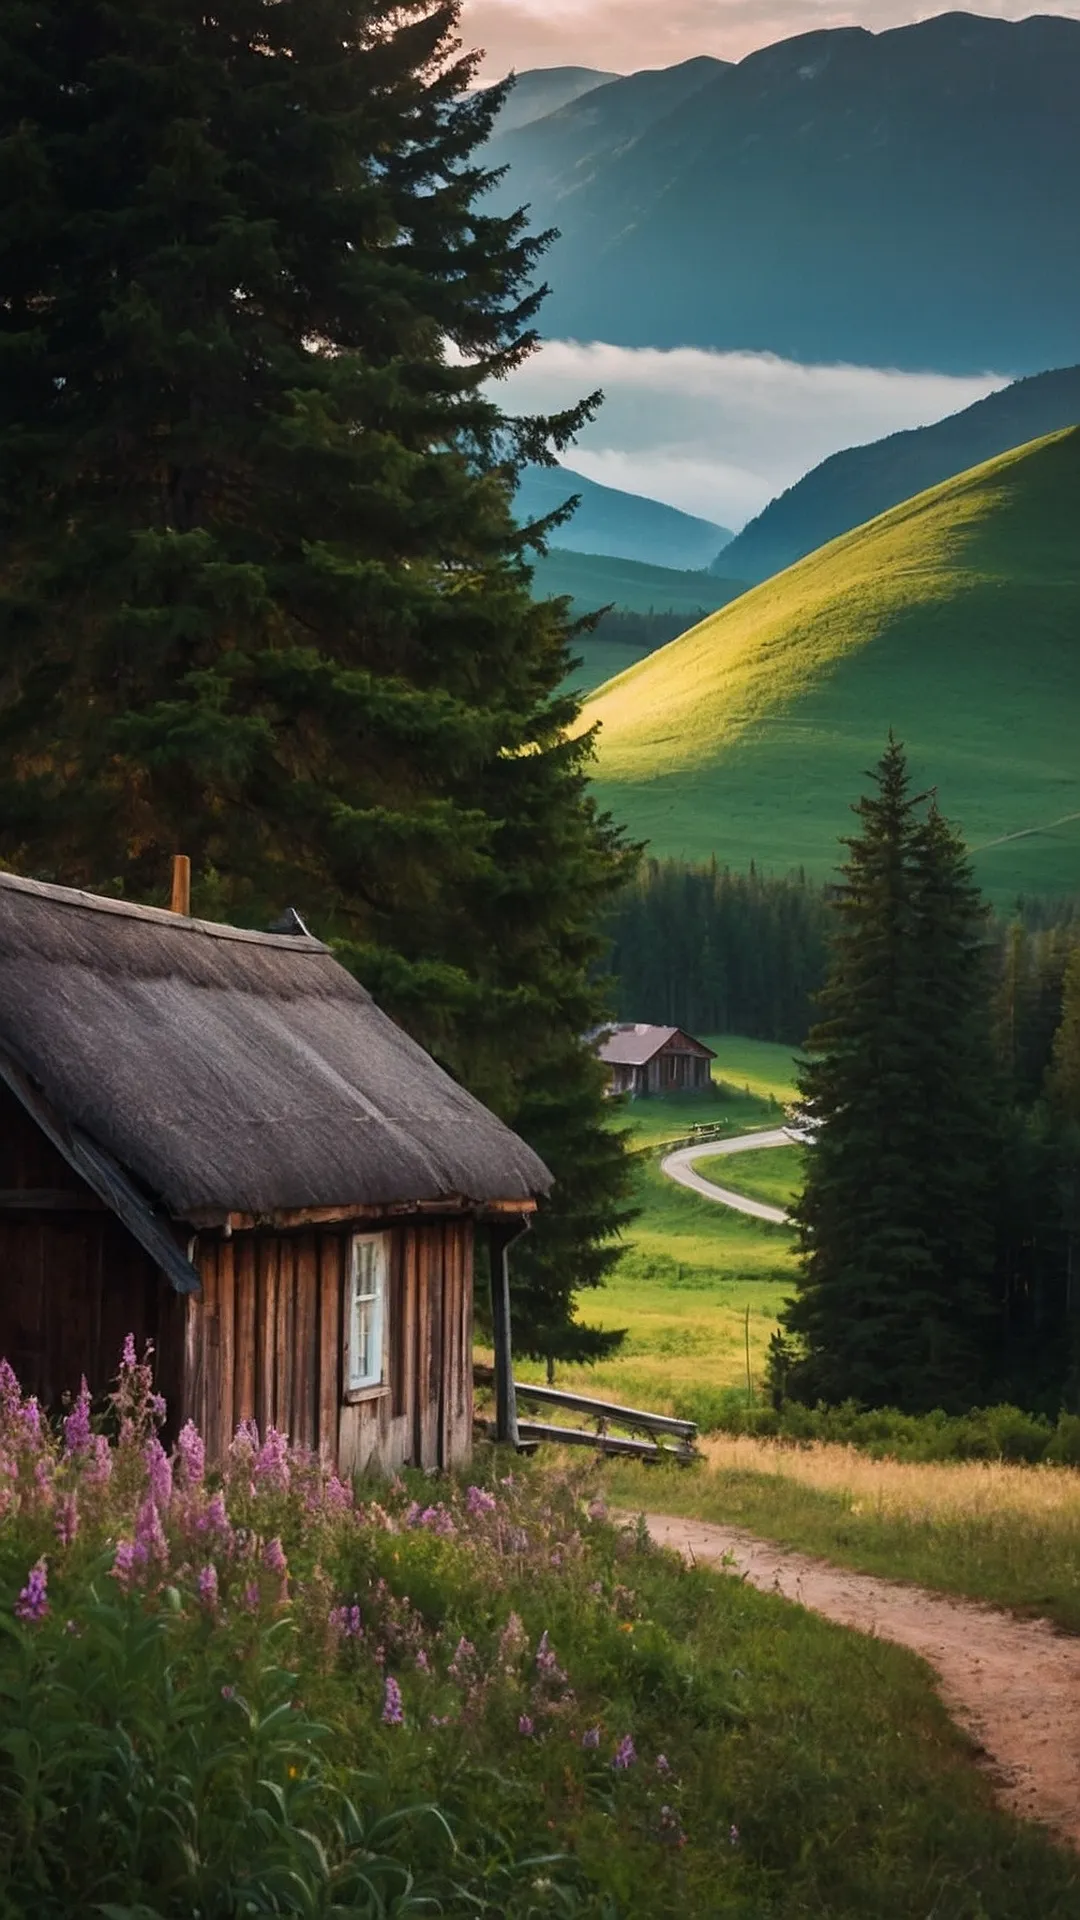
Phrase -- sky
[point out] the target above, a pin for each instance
(718, 434)
(621, 36)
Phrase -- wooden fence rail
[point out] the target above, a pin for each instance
(649, 1429)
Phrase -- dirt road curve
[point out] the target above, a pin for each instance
(680, 1166)
(1013, 1685)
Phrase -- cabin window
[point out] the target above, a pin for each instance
(369, 1266)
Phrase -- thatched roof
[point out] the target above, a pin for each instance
(231, 1070)
(635, 1046)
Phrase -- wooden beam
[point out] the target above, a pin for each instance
(181, 885)
(282, 1220)
(48, 1200)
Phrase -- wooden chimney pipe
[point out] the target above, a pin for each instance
(181, 885)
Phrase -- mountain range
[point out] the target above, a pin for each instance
(954, 619)
(543, 90)
(625, 526)
(909, 198)
(855, 485)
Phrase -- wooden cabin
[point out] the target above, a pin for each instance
(643, 1060)
(214, 1139)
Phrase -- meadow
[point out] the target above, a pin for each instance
(749, 735)
(695, 1279)
(254, 1690)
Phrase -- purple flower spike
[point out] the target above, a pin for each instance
(159, 1472)
(77, 1435)
(191, 1454)
(66, 1523)
(393, 1712)
(478, 1501)
(127, 1358)
(208, 1586)
(124, 1564)
(525, 1726)
(274, 1559)
(33, 1603)
(625, 1754)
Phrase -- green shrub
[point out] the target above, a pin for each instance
(986, 1433)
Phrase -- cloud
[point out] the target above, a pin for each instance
(718, 434)
(626, 35)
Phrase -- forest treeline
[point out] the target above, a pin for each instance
(701, 947)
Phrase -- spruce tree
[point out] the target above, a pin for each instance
(894, 1299)
(261, 595)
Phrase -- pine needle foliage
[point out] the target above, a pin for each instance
(261, 597)
(894, 1303)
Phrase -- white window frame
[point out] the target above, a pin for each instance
(376, 1286)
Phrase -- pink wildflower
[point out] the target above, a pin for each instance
(625, 1754)
(159, 1472)
(663, 1764)
(598, 1508)
(423, 1664)
(66, 1524)
(77, 1435)
(271, 1465)
(150, 1541)
(478, 1501)
(464, 1661)
(10, 1392)
(208, 1586)
(190, 1454)
(591, 1740)
(546, 1663)
(347, 1621)
(127, 1357)
(29, 1425)
(393, 1712)
(274, 1559)
(99, 1466)
(337, 1497)
(525, 1725)
(124, 1564)
(32, 1603)
(733, 1836)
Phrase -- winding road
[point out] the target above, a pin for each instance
(680, 1166)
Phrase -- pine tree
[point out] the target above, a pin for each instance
(261, 595)
(893, 1302)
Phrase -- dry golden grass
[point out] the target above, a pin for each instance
(913, 1490)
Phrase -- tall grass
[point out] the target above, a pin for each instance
(999, 1532)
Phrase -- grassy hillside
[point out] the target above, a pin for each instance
(850, 487)
(954, 618)
(596, 579)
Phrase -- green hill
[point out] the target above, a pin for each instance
(849, 487)
(651, 605)
(954, 618)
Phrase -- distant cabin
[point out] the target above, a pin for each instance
(215, 1140)
(645, 1060)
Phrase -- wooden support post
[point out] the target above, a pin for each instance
(506, 1421)
(181, 885)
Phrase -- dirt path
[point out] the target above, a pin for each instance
(680, 1166)
(1013, 1685)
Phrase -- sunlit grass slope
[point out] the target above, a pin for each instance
(954, 619)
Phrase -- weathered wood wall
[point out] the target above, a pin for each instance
(73, 1283)
(265, 1342)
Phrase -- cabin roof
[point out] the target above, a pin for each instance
(635, 1046)
(233, 1071)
